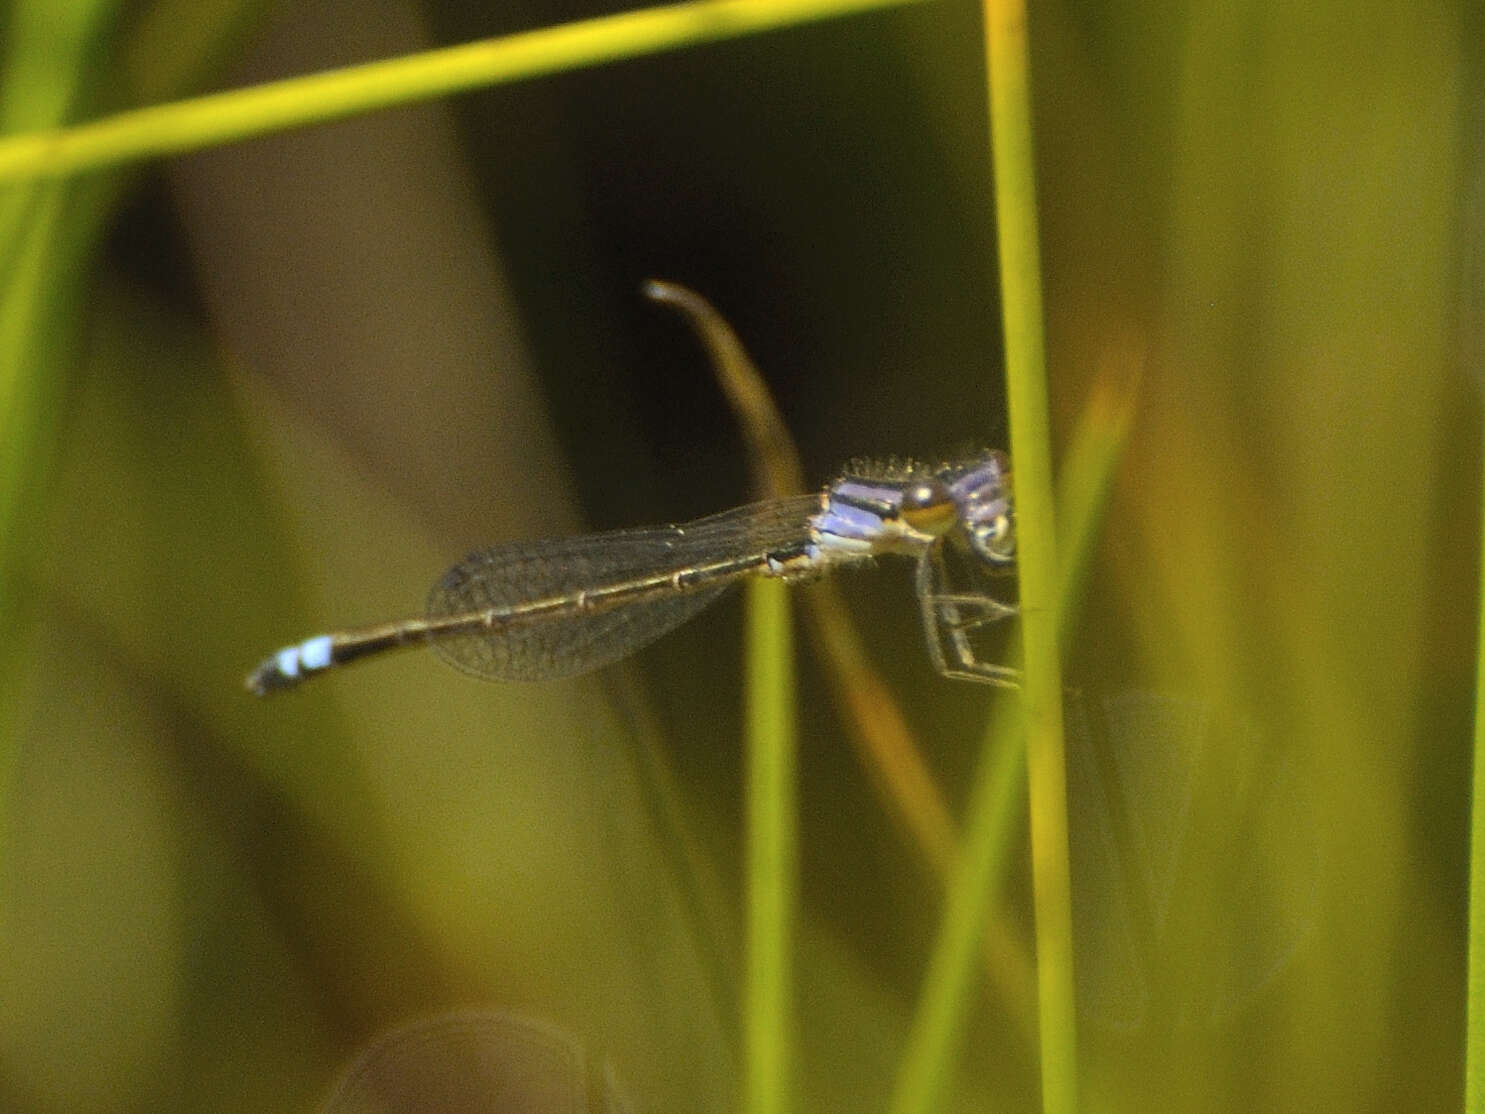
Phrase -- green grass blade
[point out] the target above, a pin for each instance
(316, 98)
(995, 808)
(1474, 1046)
(772, 857)
(46, 50)
(1021, 308)
(1033, 725)
(774, 461)
(995, 805)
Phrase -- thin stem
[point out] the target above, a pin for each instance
(1474, 1043)
(219, 118)
(772, 855)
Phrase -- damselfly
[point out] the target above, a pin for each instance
(530, 611)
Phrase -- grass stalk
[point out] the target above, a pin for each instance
(1008, 70)
(1044, 590)
(1474, 1043)
(996, 797)
(218, 118)
(771, 850)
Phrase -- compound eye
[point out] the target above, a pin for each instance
(928, 508)
(995, 540)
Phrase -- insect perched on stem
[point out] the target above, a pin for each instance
(530, 611)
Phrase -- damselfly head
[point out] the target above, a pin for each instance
(928, 507)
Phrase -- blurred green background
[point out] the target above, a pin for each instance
(262, 391)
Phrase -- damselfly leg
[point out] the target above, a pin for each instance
(952, 618)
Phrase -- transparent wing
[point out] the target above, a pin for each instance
(1196, 863)
(567, 642)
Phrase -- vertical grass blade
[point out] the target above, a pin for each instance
(993, 812)
(995, 801)
(45, 49)
(771, 841)
(1021, 308)
(1474, 1046)
(769, 687)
